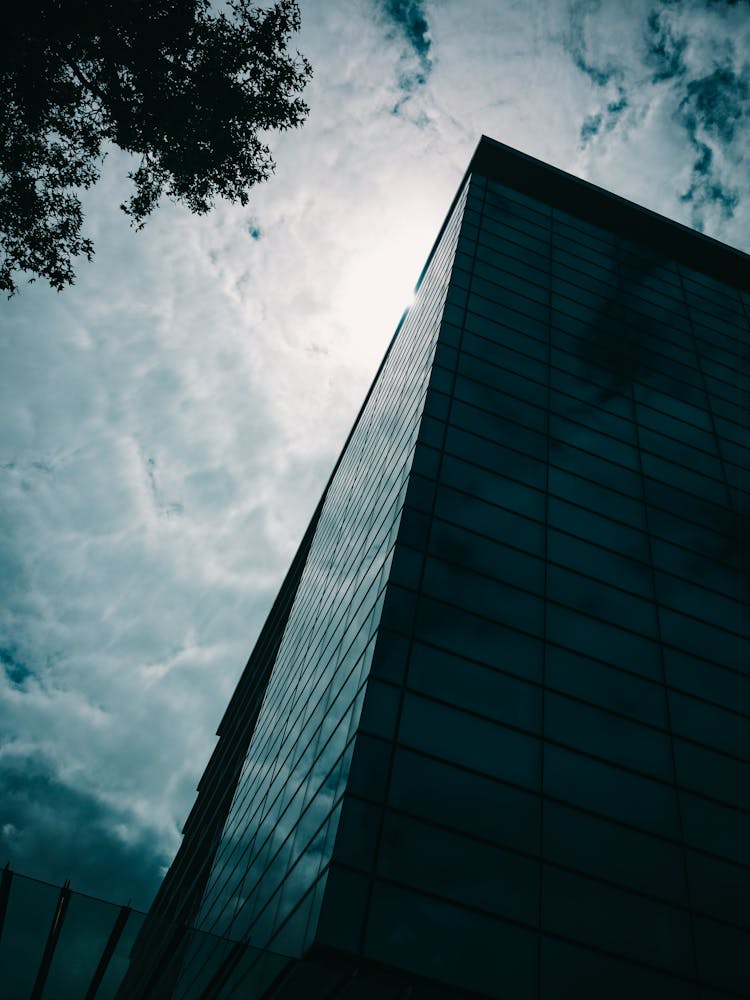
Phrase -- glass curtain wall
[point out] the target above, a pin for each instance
(553, 796)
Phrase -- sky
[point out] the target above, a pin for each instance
(168, 424)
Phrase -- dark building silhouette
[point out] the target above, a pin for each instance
(494, 739)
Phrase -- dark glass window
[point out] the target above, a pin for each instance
(597, 682)
(450, 943)
(635, 927)
(569, 972)
(478, 805)
(490, 520)
(488, 878)
(491, 642)
(491, 598)
(716, 828)
(502, 355)
(718, 888)
(598, 528)
(470, 740)
(474, 687)
(603, 641)
(601, 734)
(576, 554)
(379, 714)
(356, 837)
(482, 555)
(697, 637)
(709, 724)
(703, 603)
(722, 954)
(596, 497)
(610, 791)
(518, 333)
(705, 679)
(596, 598)
(613, 852)
(343, 916)
(712, 774)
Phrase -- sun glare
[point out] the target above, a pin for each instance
(377, 288)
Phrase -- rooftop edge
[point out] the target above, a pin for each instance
(587, 201)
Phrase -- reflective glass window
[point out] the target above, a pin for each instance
(722, 954)
(477, 688)
(718, 888)
(491, 642)
(598, 528)
(480, 554)
(695, 636)
(602, 601)
(569, 972)
(501, 601)
(610, 791)
(454, 797)
(712, 773)
(709, 724)
(615, 853)
(603, 640)
(635, 927)
(489, 520)
(488, 878)
(469, 740)
(593, 560)
(716, 828)
(448, 942)
(593, 731)
(597, 682)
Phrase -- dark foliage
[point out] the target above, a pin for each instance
(188, 88)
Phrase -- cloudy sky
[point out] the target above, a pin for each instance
(168, 424)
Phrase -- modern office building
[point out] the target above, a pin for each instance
(494, 739)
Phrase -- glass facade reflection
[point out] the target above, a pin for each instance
(59, 944)
(505, 744)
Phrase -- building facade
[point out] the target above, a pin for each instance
(494, 739)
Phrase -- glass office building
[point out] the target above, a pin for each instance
(494, 739)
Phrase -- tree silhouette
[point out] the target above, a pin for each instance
(188, 88)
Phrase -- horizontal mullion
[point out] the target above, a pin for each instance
(562, 744)
(512, 418)
(541, 369)
(546, 796)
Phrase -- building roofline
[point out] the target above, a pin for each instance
(539, 180)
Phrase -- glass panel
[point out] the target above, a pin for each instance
(454, 797)
(716, 828)
(722, 954)
(634, 927)
(424, 857)
(604, 735)
(593, 681)
(491, 643)
(570, 972)
(87, 926)
(728, 731)
(610, 791)
(450, 943)
(718, 888)
(470, 741)
(614, 853)
(712, 773)
(120, 960)
(28, 919)
(475, 687)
